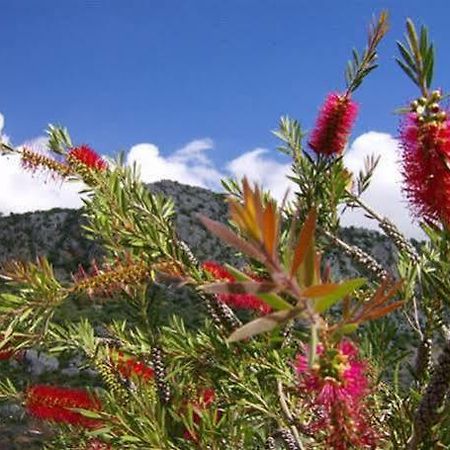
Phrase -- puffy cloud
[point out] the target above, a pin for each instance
(191, 164)
(384, 193)
(22, 191)
(264, 170)
(188, 165)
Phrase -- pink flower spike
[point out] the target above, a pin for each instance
(334, 389)
(333, 124)
(425, 163)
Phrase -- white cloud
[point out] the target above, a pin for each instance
(188, 165)
(3, 137)
(264, 170)
(384, 193)
(22, 191)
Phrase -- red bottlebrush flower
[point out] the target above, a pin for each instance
(333, 124)
(6, 354)
(334, 390)
(85, 155)
(238, 301)
(130, 367)
(54, 403)
(426, 167)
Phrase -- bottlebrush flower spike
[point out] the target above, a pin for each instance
(426, 167)
(333, 124)
(34, 161)
(110, 279)
(238, 301)
(334, 389)
(54, 403)
(85, 155)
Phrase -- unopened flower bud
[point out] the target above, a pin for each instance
(441, 116)
(434, 107)
(414, 104)
(436, 95)
(422, 101)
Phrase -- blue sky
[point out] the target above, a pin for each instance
(118, 73)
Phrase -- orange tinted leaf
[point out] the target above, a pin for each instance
(319, 290)
(380, 312)
(223, 232)
(305, 241)
(270, 228)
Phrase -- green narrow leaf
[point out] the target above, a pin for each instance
(407, 70)
(273, 300)
(322, 304)
(355, 57)
(429, 66)
(263, 324)
(348, 328)
(413, 40)
(408, 58)
(423, 41)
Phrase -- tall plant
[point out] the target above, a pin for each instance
(314, 362)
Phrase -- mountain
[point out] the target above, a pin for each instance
(57, 234)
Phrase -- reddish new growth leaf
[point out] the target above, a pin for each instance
(333, 124)
(238, 301)
(130, 367)
(85, 155)
(426, 167)
(54, 403)
(334, 389)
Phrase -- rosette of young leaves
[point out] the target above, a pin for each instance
(295, 288)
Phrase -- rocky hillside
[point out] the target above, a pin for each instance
(57, 234)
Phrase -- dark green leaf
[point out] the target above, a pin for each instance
(407, 70)
(407, 57)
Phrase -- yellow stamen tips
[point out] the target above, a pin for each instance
(106, 283)
(34, 161)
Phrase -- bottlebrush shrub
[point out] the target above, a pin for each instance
(320, 362)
